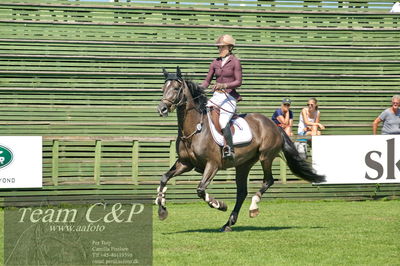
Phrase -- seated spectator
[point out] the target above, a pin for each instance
(309, 124)
(390, 118)
(283, 116)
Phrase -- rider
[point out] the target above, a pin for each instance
(228, 72)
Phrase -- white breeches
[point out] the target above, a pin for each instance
(227, 106)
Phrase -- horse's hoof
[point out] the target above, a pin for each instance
(162, 213)
(254, 213)
(226, 228)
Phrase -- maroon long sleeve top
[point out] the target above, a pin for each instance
(230, 74)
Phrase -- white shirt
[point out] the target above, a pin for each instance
(224, 60)
(395, 7)
(303, 125)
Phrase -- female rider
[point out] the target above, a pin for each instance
(228, 72)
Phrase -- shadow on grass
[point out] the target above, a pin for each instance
(245, 228)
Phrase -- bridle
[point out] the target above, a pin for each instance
(178, 97)
(182, 100)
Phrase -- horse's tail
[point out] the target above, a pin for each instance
(297, 165)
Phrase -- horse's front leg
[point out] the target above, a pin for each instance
(177, 169)
(208, 175)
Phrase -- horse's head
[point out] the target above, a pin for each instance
(173, 94)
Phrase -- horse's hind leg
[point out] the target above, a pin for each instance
(241, 193)
(177, 169)
(267, 182)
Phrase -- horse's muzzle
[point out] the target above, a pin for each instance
(162, 109)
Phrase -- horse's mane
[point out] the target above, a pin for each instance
(198, 94)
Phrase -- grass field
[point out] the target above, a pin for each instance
(285, 233)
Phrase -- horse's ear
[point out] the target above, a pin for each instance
(178, 72)
(165, 72)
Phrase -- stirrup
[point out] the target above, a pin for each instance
(227, 152)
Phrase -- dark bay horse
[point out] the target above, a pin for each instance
(197, 150)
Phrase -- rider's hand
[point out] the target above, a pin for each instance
(219, 86)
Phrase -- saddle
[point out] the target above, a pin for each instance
(215, 112)
(241, 133)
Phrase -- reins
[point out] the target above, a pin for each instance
(220, 107)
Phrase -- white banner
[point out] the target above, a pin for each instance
(357, 159)
(20, 162)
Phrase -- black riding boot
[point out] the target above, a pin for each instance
(227, 150)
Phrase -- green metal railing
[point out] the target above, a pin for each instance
(134, 142)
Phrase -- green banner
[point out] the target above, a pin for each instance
(94, 232)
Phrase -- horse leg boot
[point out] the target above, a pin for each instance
(267, 182)
(177, 169)
(228, 150)
(254, 211)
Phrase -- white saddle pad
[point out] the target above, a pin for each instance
(242, 133)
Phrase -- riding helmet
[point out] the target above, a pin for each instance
(225, 39)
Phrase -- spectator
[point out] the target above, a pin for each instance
(309, 120)
(283, 116)
(390, 118)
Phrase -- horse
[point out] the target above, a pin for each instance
(197, 150)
